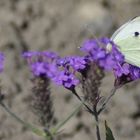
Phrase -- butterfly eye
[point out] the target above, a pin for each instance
(136, 34)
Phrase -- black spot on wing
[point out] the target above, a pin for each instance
(136, 34)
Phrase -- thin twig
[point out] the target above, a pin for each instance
(87, 107)
(97, 124)
(11, 113)
(27, 125)
(107, 100)
(93, 112)
(18, 38)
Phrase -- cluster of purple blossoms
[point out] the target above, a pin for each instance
(106, 54)
(103, 52)
(41, 63)
(1, 61)
(60, 70)
(69, 67)
(63, 71)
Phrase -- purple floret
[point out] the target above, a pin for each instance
(1, 61)
(78, 63)
(50, 55)
(68, 67)
(41, 63)
(134, 72)
(122, 70)
(39, 68)
(68, 80)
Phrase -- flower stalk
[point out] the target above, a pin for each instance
(27, 125)
(113, 91)
(96, 115)
(79, 98)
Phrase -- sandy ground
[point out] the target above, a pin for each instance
(62, 25)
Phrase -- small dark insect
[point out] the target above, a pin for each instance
(136, 34)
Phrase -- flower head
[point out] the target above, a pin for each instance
(104, 52)
(68, 80)
(41, 63)
(107, 55)
(60, 70)
(67, 69)
(1, 61)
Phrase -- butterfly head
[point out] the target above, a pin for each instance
(109, 47)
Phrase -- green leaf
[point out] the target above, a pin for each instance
(56, 129)
(35, 130)
(109, 134)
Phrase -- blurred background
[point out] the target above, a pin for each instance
(61, 26)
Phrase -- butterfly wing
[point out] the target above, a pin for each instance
(128, 44)
(133, 58)
(127, 30)
(130, 48)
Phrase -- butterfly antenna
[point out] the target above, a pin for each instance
(92, 35)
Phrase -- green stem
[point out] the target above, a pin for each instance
(27, 125)
(86, 106)
(96, 115)
(113, 91)
(49, 135)
(56, 129)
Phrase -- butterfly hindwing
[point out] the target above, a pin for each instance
(129, 44)
(133, 58)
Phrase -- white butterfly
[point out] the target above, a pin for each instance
(127, 37)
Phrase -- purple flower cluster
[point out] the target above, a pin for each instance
(63, 71)
(60, 70)
(1, 61)
(41, 63)
(77, 63)
(103, 52)
(106, 54)
(69, 67)
(128, 70)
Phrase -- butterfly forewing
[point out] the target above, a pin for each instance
(128, 40)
